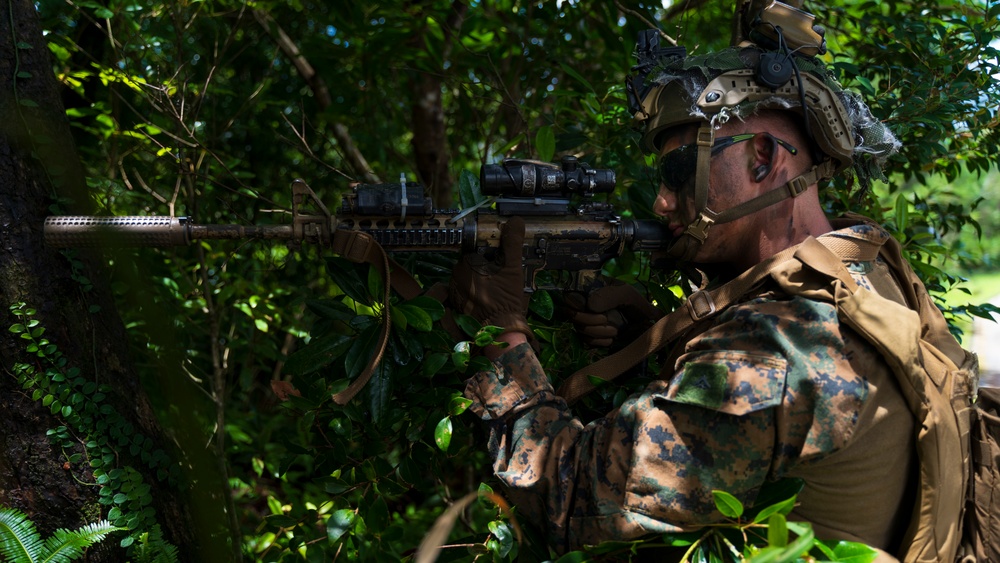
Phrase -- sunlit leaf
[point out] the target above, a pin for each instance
(339, 523)
(442, 434)
(777, 530)
(727, 504)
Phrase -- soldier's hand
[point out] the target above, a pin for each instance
(491, 292)
(614, 312)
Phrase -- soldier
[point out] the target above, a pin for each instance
(773, 386)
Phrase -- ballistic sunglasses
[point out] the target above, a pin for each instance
(678, 166)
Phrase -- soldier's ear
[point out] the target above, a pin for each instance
(765, 148)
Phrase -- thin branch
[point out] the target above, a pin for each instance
(318, 86)
(642, 18)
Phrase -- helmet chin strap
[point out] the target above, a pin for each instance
(687, 245)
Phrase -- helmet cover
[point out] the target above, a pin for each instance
(716, 87)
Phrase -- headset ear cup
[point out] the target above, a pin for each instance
(775, 70)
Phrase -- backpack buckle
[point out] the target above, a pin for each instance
(700, 305)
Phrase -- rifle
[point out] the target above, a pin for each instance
(565, 228)
(560, 234)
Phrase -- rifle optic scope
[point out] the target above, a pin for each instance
(531, 178)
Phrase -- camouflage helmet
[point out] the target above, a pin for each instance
(773, 65)
(675, 89)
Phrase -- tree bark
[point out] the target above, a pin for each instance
(38, 160)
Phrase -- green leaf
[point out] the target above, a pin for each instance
(432, 307)
(19, 540)
(461, 354)
(777, 531)
(377, 516)
(376, 284)
(442, 434)
(458, 405)
(416, 317)
(504, 536)
(331, 309)
(727, 504)
(339, 523)
(570, 71)
(433, 364)
(545, 143)
(541, 304)
(468, 190)
(17, 328)
(362, 350)
(784, 507)
(319, 353)
(380, 391)
(345, 274)
(469, 325)
(902, 213)
(852, 552)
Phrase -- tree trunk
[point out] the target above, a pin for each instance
(53, 456)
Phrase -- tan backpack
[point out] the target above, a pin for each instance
(937, 377)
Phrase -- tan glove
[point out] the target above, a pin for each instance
(615, 312)
(493, 293)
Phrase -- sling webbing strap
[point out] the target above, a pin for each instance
(360, 247)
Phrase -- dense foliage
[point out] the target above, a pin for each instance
(210, 109)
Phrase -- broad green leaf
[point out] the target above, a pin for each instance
(902, 213)
(853, 552)
(380, 391)
(319, 353)
(442, 433)
(461, 354)
(376, 284)
(344, 274)
(468, 324)
(777, 531)
(433, 307)
(504, 536)
(784, 507)
(541, 304)
(458, 405)
(727, 504)
(331, 309)
(468, 190)
(377, 516)
(433, 363)
(361, 351)
(339, 523)
(416, 317)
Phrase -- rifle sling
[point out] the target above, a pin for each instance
(360, 247)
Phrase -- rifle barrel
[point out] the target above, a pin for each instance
(91, 232)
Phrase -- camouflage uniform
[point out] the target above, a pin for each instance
(775, 387)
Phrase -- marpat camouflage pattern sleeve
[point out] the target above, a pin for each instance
(729, 419)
